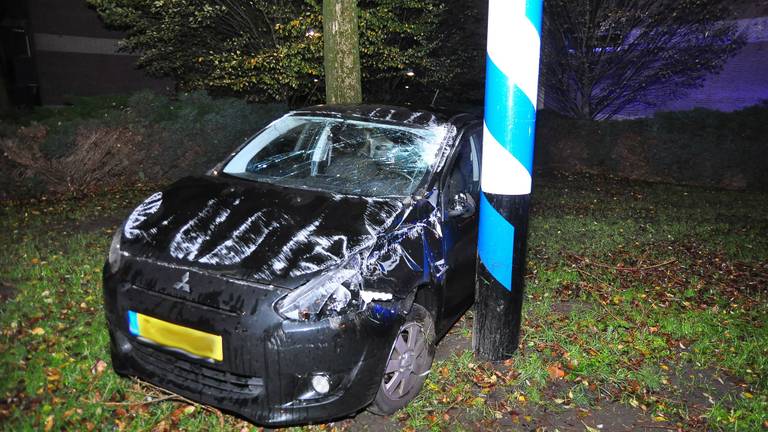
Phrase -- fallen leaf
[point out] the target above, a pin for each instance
(138, 409)
(161, 427)
(120, 425)
(53, 374)
(49, 423)
(589, 428)
(572, 364)
(181, 411)
(99, 367)
(555, 371)
(38, 331)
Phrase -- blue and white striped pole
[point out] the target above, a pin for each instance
(512, 75)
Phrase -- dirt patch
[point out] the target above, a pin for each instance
(456, 341)
(699, 389)
(608, 416)
(452, 343)
(365, 421)
(569, 307)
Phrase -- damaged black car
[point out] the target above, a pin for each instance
(310, 274)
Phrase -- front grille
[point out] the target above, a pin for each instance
(185, 373)
(220, 292)
(144, 291)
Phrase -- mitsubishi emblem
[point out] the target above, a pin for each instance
(182, 285)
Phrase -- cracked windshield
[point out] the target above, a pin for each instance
(339, 155)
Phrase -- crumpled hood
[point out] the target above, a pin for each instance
(253, 230)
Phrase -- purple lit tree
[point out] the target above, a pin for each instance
(603, 56)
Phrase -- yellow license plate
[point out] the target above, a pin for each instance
(195, 342)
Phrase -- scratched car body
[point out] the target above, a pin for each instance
(310, 274)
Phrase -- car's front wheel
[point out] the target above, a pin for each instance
(410, 359)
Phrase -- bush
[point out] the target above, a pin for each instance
(101, 157)
(145, 137)
(196, 128)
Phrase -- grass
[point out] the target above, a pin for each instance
(644, 300)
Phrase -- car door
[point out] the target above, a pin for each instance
(460, 197)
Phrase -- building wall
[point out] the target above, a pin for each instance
(75, 55)
(67, 17)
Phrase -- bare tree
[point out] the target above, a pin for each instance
(603, 56)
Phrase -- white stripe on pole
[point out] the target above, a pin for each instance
(502, 173)
(514, 45)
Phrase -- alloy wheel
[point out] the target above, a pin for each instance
(408, 361)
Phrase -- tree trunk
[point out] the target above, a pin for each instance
(341, 52)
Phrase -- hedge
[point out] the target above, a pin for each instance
(698, 147)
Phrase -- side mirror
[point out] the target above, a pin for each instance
(461, 205)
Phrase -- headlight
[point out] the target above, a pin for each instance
(332, 293)
(115, 256)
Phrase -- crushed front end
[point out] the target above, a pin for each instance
(271, 370)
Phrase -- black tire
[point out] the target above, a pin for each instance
(419, 327)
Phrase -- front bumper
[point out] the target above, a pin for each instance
(268, 361)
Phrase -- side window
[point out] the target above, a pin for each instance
(465, 172)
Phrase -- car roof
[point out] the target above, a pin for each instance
(422, 117)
